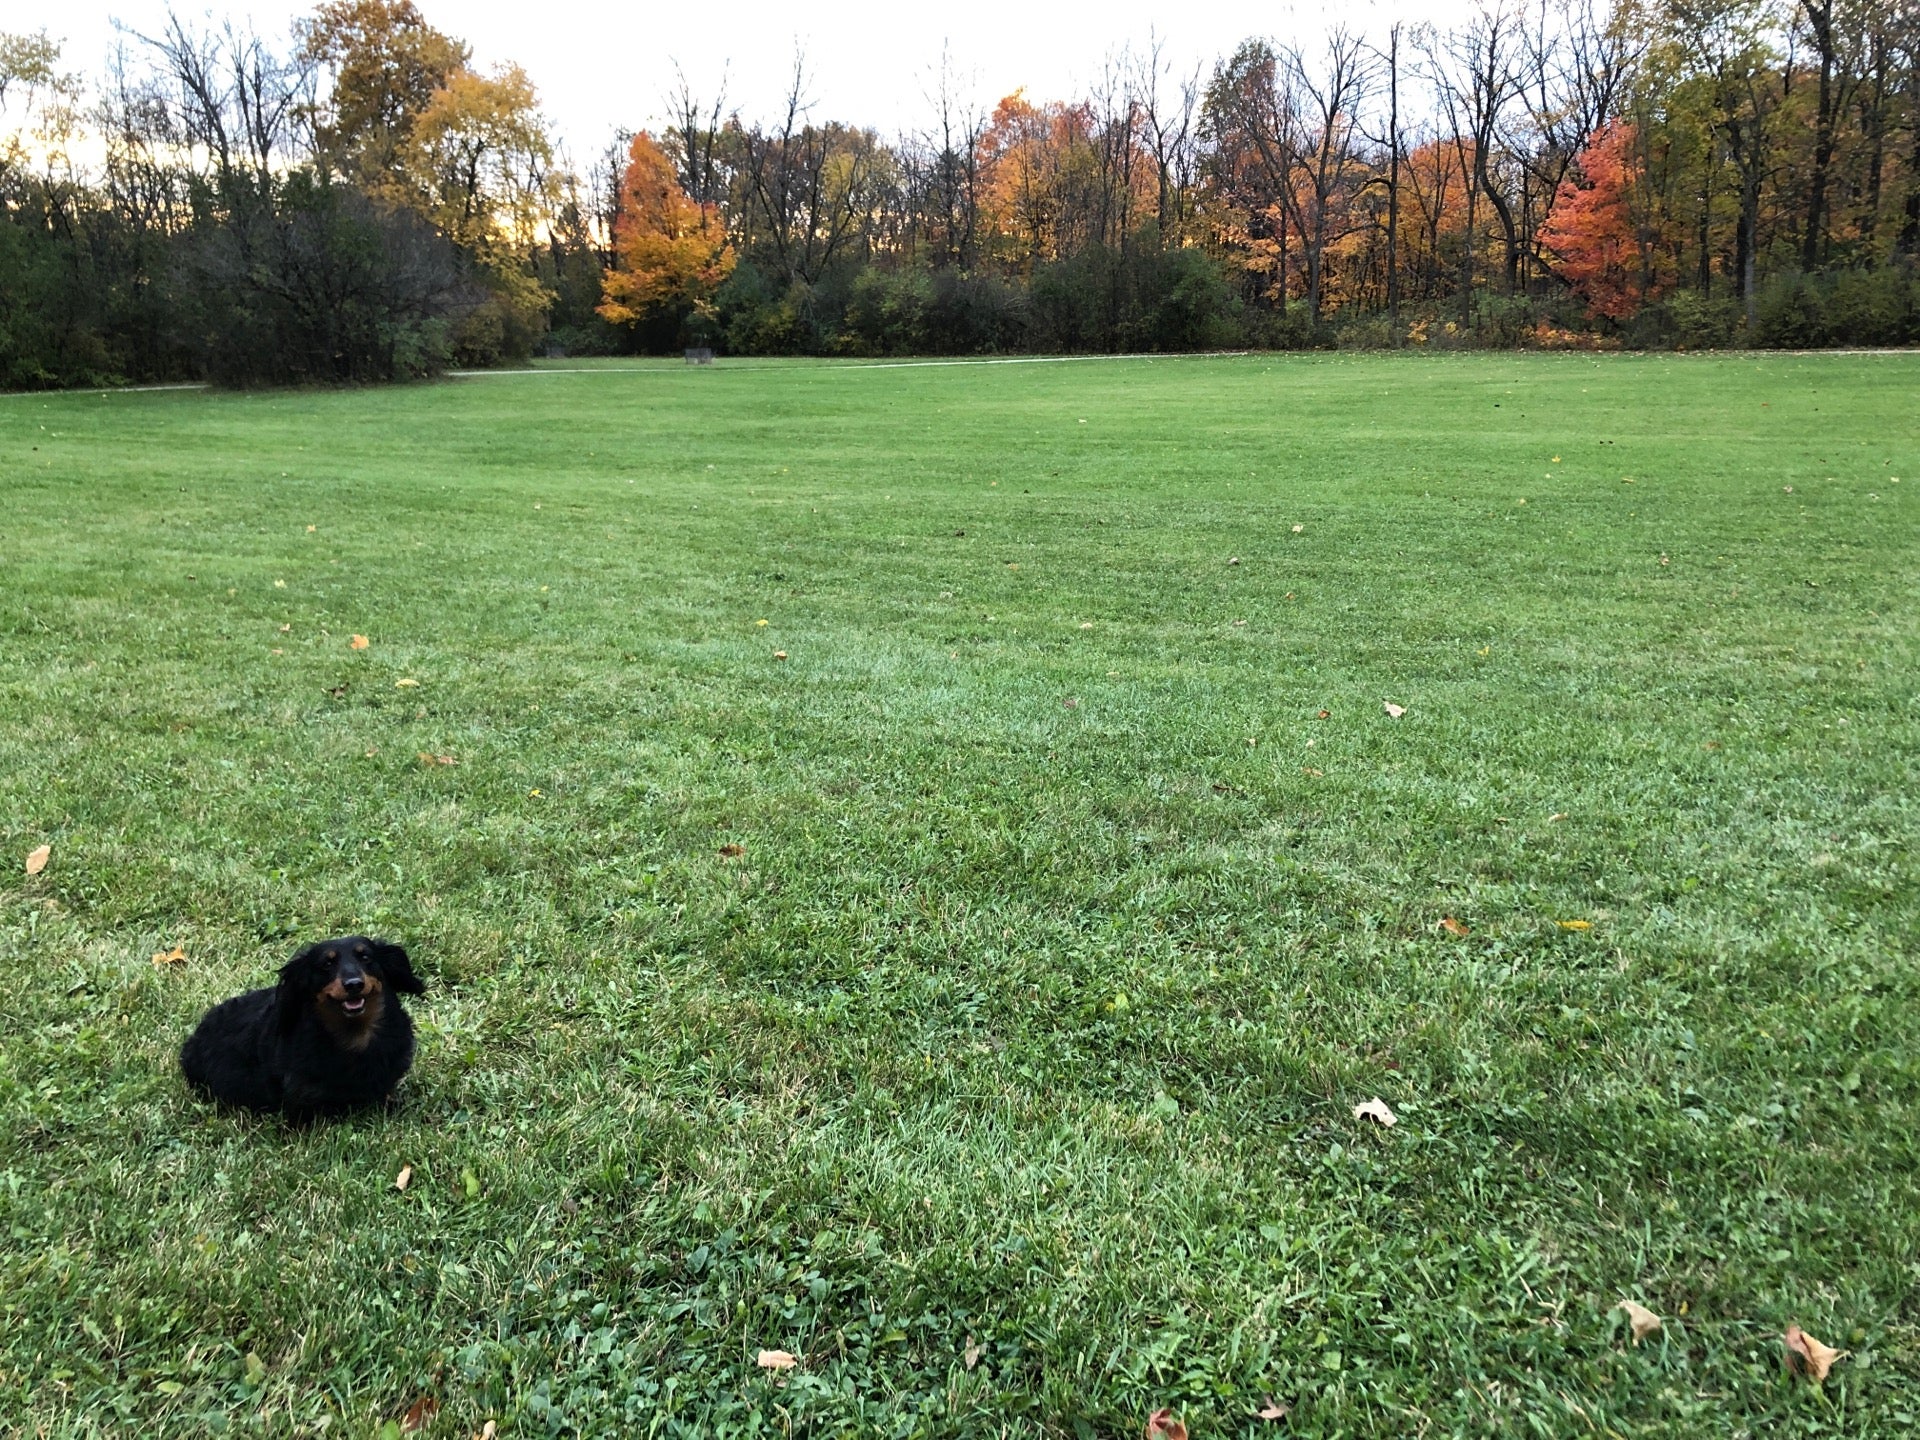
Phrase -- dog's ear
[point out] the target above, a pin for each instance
(296, 988)
(393, 963)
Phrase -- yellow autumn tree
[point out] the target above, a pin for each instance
(670, 253)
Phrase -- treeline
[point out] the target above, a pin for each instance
(362, 203)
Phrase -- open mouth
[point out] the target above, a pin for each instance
(355, 1005)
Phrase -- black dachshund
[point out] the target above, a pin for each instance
(332, 1036)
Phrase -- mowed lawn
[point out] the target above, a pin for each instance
(974, 1002)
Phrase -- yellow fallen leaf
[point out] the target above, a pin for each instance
(406, 684)
(1298, 529)
(779, 654)
(359, 642)
(759, 622)
(1807, 1356)
(1396, 711)
(1556, 817)
(1376, 1109)
(1642, 1320)
(279, 584)
(1556, 460)
(1574, 924)
(37, 859)
(312, 528)
(285, 629)
(1088, 624)
(404, 1178)
(175, 956)
(776, 1360)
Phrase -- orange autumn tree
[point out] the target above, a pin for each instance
(670, 253)
(1592, 233)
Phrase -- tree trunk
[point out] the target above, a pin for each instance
(1812, 243)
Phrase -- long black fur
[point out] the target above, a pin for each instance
(282, 1049)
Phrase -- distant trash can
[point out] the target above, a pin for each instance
(700, 356)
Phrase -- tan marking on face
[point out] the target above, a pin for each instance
(350, 1032)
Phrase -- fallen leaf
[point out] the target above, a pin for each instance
(338, 692)
(1376, 1109)
(406, 684)
(1071, 703)
(1233, 559)
(1086, 624)
(312, 528)
(1454, 927)
(1325, 715)
(256, 1369)
(404, 1178)
(759, 622)
(175, 956)
(730, 850)
(779, 654)
(37, 859)
(1298, 528)
(489, 1430)
(286, 629)
(279, 584)
(359, 642)
(1162, 1426)
(1396, 711)
(1807, 1356)
(1643, 1321)
(427, 757)
(1574, 924)
(1274, 1410)
(1556, 460)
(776, 1360)
(972, 1353)
(420, 1414)
(1556, 817)
(1309, 770)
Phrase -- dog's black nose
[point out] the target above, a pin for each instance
(353, 984)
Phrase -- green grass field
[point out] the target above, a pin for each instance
(1006, 1074)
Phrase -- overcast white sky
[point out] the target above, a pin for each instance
(600, 67)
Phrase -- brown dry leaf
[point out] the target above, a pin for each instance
(779, 654)
(1643, 1321)
(1396, 711)
(1274, 1410)
(1807, 1356)
(1376, 1109)
(972, 1355)
(1574, 924)
(427, 757)
(37, 859)
(730, 850)
(1324, 715)
(1310, 770)
(175, 956)
(404, 1178)
(359, 642)
(776, 1360)
(1454, 927)
(1162, 1426)
(420, 1414)
(1070, 703)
